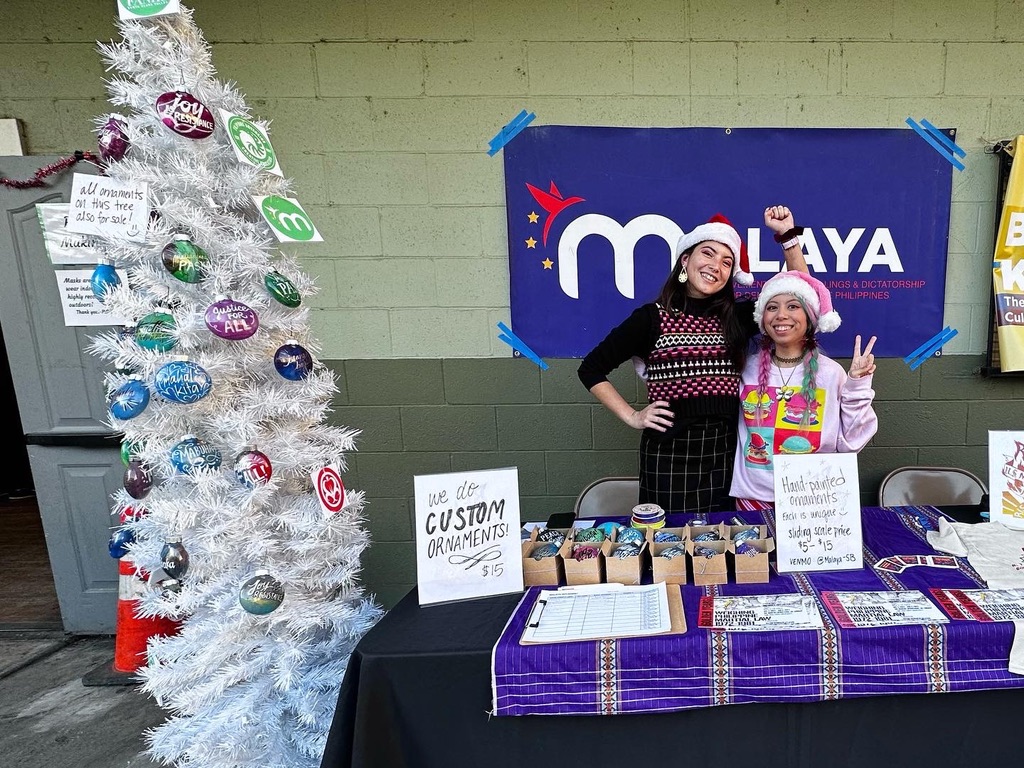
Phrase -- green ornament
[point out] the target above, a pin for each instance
(282, 289)
(185, 260)
(155, 332)
(130, 450)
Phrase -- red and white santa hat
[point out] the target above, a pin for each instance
(810, 290)
(720, 230)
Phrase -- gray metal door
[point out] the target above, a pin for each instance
(74, 456)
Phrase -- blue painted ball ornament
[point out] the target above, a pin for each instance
(231, 319)
(282, 289)
(156, 332)
(626, 550)
(174, 559)
(293, 361)
(104, 279)
(630, 535)
(661, 536)
(550, 549)
(193, 454)
(253, 468)
(119, 541)
(182, 381)
(184, 259)
(137, 480)
(676, 550)
(129, 400)
(261, 594)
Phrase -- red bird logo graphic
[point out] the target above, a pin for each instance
(552, 202)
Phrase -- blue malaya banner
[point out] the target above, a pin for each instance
(594, 215)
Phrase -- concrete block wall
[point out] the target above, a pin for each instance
(381, 111)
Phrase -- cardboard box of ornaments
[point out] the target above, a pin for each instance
(543, 571)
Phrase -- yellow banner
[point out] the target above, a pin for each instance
(1008, 268)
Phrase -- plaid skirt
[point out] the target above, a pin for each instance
(691, 472)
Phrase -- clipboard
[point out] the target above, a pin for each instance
(676, 614)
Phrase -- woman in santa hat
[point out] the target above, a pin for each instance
(690, 345)
(802, 401)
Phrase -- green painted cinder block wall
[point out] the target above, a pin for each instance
(381, 111)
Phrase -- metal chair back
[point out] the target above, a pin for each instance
(608, 497)
(936, 486)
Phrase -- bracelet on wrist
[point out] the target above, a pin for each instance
(789, 234)
(790, 243)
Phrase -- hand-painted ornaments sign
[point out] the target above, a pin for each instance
(250, 142)
(144, 9)
(289, 222)
(109, 208)
(467, 535)
(184, 114)
(231, 319)
(817, 512)
(330, 490)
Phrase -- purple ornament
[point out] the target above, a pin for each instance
(184, 114)
(113, 139)
(253, 468)
(231, 319)
(137, 480)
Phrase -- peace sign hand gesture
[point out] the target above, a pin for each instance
(863, 363)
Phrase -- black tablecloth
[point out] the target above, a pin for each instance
(417, 693)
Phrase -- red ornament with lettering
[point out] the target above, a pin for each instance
(253, 468)
(329, 489)
(184, 114)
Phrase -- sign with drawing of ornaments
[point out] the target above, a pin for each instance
(250, 142)
(290, 223)
(146, 9)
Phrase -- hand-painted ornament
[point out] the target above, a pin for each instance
(552, 535)
(175, 559)
(661, 536)
(261, 594)
(627, 550)
(182, 381)
(627, 535)
(592, 535)
(184, 259)
(113, 139)
(129, 400)
(581, 552)
(293, 361)
(104, 278)
(707, 536)
(253, 468)
(231, 319)
(184, 114)
(676, 550)
(156, 332)
(282, 289)
(747, 534)
(126, 332)
(137, 480)
(192, 454)
(130, 514)
(609, 528)
(550, 549)
(119, 541)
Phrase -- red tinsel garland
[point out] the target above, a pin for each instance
(49, 170)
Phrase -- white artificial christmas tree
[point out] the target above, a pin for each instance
(243, 686)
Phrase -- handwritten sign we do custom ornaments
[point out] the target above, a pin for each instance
(817, 513)
(467, 535)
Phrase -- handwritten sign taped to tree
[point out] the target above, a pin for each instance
(109, 208)
(817, 512)
(467, 535)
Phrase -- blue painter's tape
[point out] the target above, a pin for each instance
(519, 346)
(927, 344)
(935, 145)
(947, 142)
(510, 131)
(932, 347)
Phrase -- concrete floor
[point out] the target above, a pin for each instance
(49, 719)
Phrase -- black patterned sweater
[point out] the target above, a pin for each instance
(687, 362)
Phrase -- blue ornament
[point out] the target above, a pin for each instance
(627, 535)
(129, 400)
(182, 381)
(293, 361)
(609, 528)
(119, 542)
(192, 454)
(666, 536)
(261, 594)
(104, 278)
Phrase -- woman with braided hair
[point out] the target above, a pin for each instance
(793, 398)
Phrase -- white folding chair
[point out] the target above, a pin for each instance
(608, 497)
(936, 486)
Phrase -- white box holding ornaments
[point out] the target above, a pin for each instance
(817, 513)
(467, 535)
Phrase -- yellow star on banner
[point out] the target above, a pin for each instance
(533, 216)
(548, 263)
(531, 243)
